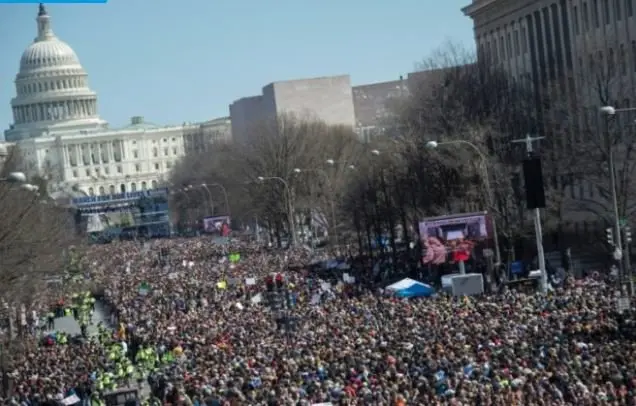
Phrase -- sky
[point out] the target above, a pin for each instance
(186, 61)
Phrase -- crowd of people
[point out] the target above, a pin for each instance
(192, 323)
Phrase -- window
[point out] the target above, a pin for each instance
(143, 186)
(586, 18)
(617, 10)
(629, 8)
(106, 170)
(606, 11)
(157, 166)
(155, 153)
(515, 36)
(111, 189)
(168, 164)
(165, 140)
(622, 60)
(119, 169)
(122, 188)
(133, 187)
(137, 168)
(88, 173)
(91, 192)
(165, 151)
(135, 154)
(577, 28)
(102, 191)
(174, 139)
(154, 184)
(509, 45)
(524, 43)
(595, 16)
(174, 150)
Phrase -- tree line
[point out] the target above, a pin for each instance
(386, 186)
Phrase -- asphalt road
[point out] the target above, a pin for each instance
(70, 326)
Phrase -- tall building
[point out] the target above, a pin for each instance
(61, 135)
(560, 45)
(576, 55)
(328, 99)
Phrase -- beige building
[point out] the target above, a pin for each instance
(328, 99)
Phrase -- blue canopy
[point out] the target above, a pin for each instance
(411, 288)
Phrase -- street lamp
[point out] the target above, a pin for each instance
(332, 162)
(220, 186)
(332, 202)
(609, 112)
(208, 195)
(485, 176)
(29, 187)
(290, 208)
(14, 177)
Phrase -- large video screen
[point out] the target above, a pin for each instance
(96, 222)
(217, 225)
(455, 235)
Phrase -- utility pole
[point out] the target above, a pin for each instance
(537, 219)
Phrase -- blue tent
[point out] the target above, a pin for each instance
(411, 288)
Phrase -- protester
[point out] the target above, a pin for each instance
(196, 326)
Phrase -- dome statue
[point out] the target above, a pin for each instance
(52, 90)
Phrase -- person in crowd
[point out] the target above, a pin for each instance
(204, 329)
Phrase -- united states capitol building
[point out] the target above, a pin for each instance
(60, 134)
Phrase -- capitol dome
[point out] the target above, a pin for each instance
(52, 92)
(46, 54)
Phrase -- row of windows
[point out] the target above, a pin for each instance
(165, 140)
(97, 172)
(112, 189)
(52, 85)
(155, 152)
(591, 14)
(612, 65)
(157, 166)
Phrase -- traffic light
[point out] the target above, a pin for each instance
(279, 281)
(610, 236)
(269, 284)
(628, 234)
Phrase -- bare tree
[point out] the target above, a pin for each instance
(34, 233)
(294, 149)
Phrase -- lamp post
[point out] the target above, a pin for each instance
(332, 204)
(208, 195)
(485, 175)
(609, 112)
(220, 186)
(290, 208)
(15, 177)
